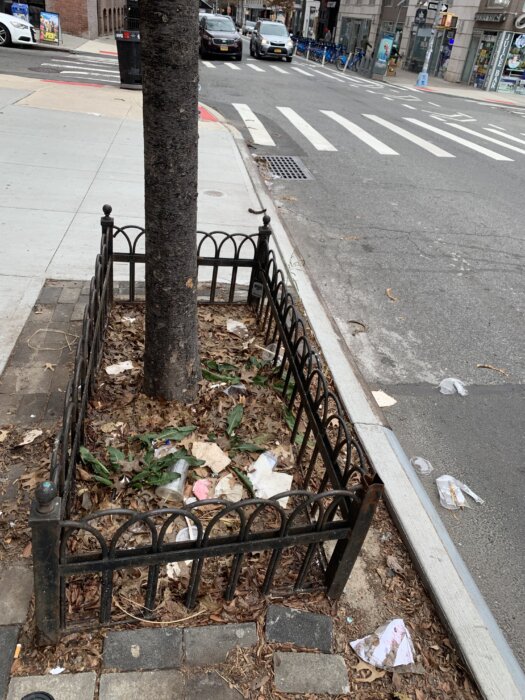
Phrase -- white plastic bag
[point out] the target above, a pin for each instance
(421, 465)
(451, 493)
(451, 385)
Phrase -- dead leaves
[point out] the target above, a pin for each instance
(365, 673)
(494, 369)
(390, 295)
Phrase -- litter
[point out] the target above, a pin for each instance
(29, 437)
(383, 399)
(235, 390)
(201, 489)
(18, 649)
(390, 645)
(3, 435)
(229, 488)
(119, 367)
(268, 354)
(267, 483)
(237, 328)
(174, 490)
(187, 534)
(212, 456)
(129, 319)
(421, 465)
(451, 493)
(394, 565)
(57, 670)
(450, 385)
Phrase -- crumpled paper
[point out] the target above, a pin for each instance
(390, 645)
(267, 483)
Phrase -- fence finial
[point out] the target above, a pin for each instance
(266, 220)
(107, 209)
(45, 494)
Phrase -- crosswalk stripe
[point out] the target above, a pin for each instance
(300, 70)
(208, 64)
(434, 104)
(90, 76)
(327, 75)
(315, 138)
(407, 106)
(230, 65)
(391, 99)
(259, 70)
(254, 126)
(79, 66)
(488, 138)
(458, 139)
(496, 126)
(361, 134)
(279, 70)
(423, 143)
(88, 59)
(506, 136)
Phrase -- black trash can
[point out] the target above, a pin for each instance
(128, 50)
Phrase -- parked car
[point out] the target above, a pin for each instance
(248, 27)
(271, 39)
(15, 30)
(219, 37)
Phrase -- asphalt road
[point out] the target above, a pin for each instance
(439, 228)
(416, 235)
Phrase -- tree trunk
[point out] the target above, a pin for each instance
(169, 47)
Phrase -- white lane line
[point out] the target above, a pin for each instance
(507, 136)
(327, 75)
(422, 143)
(254, 126)
(495, 126)
(363, 80)
(316, 139)
(361, 134)
(230, 65)
(279, 70)
(458, 139)
(390, 99)
(80, 67)
(372, 91)
(208, 64)
(86, 59)
(259, 70)
(300, 70)
(434, 104)
(407, 106)
(488, 138)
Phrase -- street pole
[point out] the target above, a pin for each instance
(422, 78)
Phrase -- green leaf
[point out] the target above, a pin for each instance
(290, 422)
(254, 362)
(116, 457)
(245, 480)
(234, 418)
(98, 467)
(216, 377)
(247, 447)
(260, 380)
(174, 434)
(221, 367)
(104, 480)
(278, 385)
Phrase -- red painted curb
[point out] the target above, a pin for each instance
(205, 116)
(69, 82)
(111, 53)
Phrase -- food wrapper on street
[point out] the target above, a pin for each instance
(451, 493)
(390, 645)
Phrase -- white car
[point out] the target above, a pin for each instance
(15, 30)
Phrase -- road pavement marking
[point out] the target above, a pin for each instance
(79, 66)
(259, 70)
(507, 136)
(208, 64)
(300, 70)
(372, 91)
(458, 139)
(408, 106)
(254, 126)
(496, 126)
(361, 134)
(390, 99)
(423, 143)
(434, 104)
(315, 138)
(327, 75)
(488, 138)
(230, 65)
(90, 76)
(279, 70)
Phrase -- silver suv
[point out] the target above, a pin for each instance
(271, 39)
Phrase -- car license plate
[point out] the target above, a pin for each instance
(278, 50)
(224, 48)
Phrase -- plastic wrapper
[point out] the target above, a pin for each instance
(452, 493)
(390, 645)
(421, 465)
(451, 385)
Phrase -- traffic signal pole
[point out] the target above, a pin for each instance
(422, 78)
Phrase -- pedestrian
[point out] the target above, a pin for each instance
(328, 36)
(365, 44)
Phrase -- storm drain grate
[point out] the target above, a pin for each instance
(285, 167)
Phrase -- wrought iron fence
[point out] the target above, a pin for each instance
(336, 495)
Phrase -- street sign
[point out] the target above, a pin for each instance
(421, 16)
(443, 7)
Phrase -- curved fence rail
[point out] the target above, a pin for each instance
(336, 491)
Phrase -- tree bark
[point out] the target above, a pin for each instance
(169, 48)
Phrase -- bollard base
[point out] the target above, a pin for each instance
(422, 80)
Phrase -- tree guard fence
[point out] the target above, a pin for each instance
(337, 491)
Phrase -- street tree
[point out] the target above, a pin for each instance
(169, 48)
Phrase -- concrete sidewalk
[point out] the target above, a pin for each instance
(67, 150)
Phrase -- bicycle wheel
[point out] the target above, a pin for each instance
(341, 62)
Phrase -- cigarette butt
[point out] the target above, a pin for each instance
(18, 650)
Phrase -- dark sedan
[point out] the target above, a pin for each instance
(219, 37)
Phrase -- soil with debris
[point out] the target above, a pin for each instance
(384, 584)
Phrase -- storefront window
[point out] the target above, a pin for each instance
(481, 65)
(513, 76)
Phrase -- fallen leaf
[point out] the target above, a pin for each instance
(29, 437)
(402, 696)
(27, 550)
(390, 295)
(360, 327)
(495, 369)
(367, 673)
(393, 563)
(50, 366)
(3, 435)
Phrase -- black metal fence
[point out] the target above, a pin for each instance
(337, 492)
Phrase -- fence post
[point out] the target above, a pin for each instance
(106, 223)
(346, 551)
(261, 254)
(44, 521)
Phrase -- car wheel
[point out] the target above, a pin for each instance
(5, 36)
(239, 57)
(289, 59)
(251, 50)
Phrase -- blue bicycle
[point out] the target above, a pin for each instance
(345, 61)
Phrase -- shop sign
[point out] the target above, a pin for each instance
(502, 50)
(50, 27)
(519, 22)
(490, 17)
(20, 9)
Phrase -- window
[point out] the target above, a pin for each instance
(497, 4)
